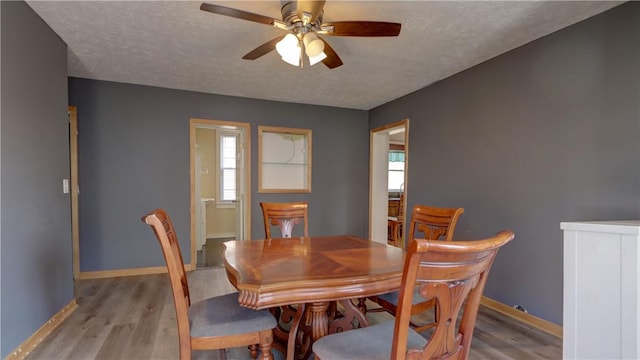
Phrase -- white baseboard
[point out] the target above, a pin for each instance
(221, 235)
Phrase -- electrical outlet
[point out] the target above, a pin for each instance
(521, 308)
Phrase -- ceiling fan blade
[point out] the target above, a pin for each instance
(312, 7)
(239, 14)
(361, 28)
(263, 49)
(332, 60)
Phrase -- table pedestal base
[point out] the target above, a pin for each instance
(309, 322)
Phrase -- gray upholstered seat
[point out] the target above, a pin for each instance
(374, 342)
(392, 297)
(222, 316)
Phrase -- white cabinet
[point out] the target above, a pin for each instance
(601, 317)
(201, 222)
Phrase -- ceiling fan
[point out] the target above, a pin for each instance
(303, 21)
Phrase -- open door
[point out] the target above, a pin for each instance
(75, 190)
(379, 179)
(378, 191)
(219, 167)
(241, 179)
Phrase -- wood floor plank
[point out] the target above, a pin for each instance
(92, 297)
(165, 346)
(134, 318)
(143, 298)
(99, 316)
(116, 342)
(146, 328)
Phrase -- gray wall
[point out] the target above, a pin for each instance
(37, 279)
(546, 133)
(134, 157)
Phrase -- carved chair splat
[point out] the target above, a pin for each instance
(454, 275)
(433, 223)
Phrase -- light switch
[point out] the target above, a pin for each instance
(65, 186)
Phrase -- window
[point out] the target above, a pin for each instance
(396, 171)
(227, 168)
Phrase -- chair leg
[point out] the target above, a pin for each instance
(266, 340)
(223, 354)
(253, 351)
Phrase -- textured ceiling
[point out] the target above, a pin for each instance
(173, 44)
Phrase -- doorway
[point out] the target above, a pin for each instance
(72, 111)
(219, 167)
(389, 143)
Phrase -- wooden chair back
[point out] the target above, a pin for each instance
(218, 322)
(433, 222)
(401, 207)
(165, 233)
(395, 224)
(454, 274)
(285, 216)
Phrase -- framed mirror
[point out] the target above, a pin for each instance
(284, 160)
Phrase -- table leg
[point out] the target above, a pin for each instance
(310, 323)
(353, 317)
(296, 336)
(318, 319)
(286, 318)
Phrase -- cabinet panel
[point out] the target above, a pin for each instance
(600, 308)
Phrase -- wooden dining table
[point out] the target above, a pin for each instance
(299, 279)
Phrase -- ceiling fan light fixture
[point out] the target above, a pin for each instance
(316, 59)
(304, 20)
(293, 57)
(313, 46)
(288, 46)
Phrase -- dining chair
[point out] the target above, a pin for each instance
(435, 224)
(285, 216)
(215, 323)
(454, 274)
(394, 225)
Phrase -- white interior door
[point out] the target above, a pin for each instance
(379, 187)
(200, 210)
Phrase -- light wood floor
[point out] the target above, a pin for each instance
(134, 318)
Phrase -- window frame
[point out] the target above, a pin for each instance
(389, 171)
(220, 202)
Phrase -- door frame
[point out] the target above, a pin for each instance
(219, 125)
(378, 191)
(75, 189)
